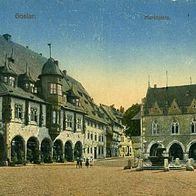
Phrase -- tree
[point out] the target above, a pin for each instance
(133, 126)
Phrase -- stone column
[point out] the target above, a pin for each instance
(166, 165)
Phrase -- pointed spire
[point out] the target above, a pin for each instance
(148, 81)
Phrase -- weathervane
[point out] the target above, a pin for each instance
(50, 49)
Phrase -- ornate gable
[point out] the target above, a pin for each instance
(174, 108)
(192, 107)
(155, 110)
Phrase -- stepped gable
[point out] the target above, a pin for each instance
(164, 96)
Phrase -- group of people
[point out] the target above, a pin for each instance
(88, 162)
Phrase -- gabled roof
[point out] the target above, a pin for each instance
(18, 92)
(113, 114)
(183, 95)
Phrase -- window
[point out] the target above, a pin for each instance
(155, 128)
(5, 79)
(54, 117)
(69, 121)
(52, 88)
(91, 150)
(175, 127)
(59, 89)
(12, 81)
(193, 126)
(34, 114)
(88, 150)
(95, 137)
(18, 111)
(79, 123)
(88, 135)
(35, 89)
(102, 150)
(91, 136)
(77, 102)
(56, 89)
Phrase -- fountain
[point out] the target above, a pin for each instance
(158, 160)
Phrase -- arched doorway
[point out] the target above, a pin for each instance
(153, 149)
(2, 149)
(33, 153)
(192, 151)
(18, 150)
(78, 150)
(58, 151)
(68, 151)
(176, 151)
(46, 151)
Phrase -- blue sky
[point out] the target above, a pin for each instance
(108, 45)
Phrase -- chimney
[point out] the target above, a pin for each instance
(7, 37)
(65, 72)
(155, 85)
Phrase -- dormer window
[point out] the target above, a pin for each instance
(77, 102)
(35, 90)
(9, 80)
(5, 79)
(12, 81)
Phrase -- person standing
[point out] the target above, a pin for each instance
(77, 162)
(87, 163)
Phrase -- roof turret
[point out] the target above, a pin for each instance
(51, 68)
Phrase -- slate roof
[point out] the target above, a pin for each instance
(113, 114)
(18, 92)
(23, 55)
(51, 68)
(183, 95)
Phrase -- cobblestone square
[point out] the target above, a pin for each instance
(98, 180)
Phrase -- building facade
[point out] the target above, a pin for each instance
(168, 117)
(45, 115)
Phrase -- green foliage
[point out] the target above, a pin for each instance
(133, 126)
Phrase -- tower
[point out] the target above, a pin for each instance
(51, 83)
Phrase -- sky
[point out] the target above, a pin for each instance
(113, 47)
